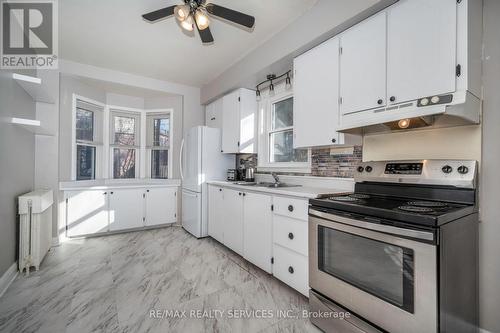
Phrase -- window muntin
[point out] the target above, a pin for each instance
(280, 138)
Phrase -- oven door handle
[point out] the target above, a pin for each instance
(417, 234)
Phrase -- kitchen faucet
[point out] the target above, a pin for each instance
(276, 178)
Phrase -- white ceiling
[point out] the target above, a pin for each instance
(112, 34)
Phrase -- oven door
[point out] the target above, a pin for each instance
(385, 278)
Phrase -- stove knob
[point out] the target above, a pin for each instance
(361, 169)
(369, 169)
(447, 169)
(463, 170)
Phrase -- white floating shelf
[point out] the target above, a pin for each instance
(34, 87)
(31, 125)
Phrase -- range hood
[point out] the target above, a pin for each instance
(459, 108)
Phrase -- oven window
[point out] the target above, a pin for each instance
(381, 269)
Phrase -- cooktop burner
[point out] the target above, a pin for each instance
(360, 196)
(428, 204)
(417, 209)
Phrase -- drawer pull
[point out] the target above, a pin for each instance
(290, 208)
(290, 235)
(290, 270)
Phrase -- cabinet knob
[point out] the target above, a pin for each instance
(105, 193)
(290, 208)
(290, 270)
(111, 192)
(213, 118)
(220, 190)
(244, 194)
(239, 193)
(147, 191)
(392, 99)
(290, 235)
(379, 102)
(334, 140)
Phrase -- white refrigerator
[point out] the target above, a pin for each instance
(201, 160)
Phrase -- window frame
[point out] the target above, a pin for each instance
(161, 113)
(98, 121)
(137, 114)
(266, 106)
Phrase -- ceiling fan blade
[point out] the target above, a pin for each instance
(205, 35)
(231, 15)
(159, 14)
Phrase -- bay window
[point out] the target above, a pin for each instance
(158, 144)
(124, 143)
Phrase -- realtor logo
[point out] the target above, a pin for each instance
(29, 34)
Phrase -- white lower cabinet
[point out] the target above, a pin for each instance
(90, 212)
(233, 220)
(245, 223)
(291, 268)
(161, 206)
(86, 212)
(257, 230)
(126, 209)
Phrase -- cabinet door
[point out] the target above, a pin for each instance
(233, 220)
(214, 114)
(257, 230)
(363, 65)
(316, 96)
(126, 209)
(248, 122)
(161, 206)
(87, 213)
(215, 213)
(421, 49)
(230, 122)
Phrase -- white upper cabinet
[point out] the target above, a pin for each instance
(316, 96)
(421, 49)
(213, 114)
(239, 122)
(363, 65)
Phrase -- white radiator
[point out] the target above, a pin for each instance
(35, 232)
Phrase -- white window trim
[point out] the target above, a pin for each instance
(99, 163)
(140, 135)
(148, 150)
(265, 110)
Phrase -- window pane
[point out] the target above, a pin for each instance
(85, 162)
(123, 163)
(161, 131)
(281, 145)
(124, 130)
(84, 125)
(159, 164)
(282, 115)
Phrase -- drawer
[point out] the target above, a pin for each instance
(291, 268)
(291, 233)
(295, 208)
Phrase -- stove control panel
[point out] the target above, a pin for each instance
(459, 173)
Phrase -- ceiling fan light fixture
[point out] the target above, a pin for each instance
(188, 23)
(201, 18)
(182, 12)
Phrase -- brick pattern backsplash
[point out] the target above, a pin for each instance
(324, 163)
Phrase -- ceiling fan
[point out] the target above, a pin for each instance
(196, 13)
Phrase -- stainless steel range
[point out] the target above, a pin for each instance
(400, 253)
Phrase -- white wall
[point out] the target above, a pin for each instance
(462, 142)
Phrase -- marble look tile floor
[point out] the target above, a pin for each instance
(129, 282)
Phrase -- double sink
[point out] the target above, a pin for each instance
(265, 184)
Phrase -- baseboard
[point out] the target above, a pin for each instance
(7, 278)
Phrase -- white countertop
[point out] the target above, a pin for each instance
(298, 191)
(105, 184)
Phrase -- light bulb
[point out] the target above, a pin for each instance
(182, 12)
(201, 18)
(404, 123)
(188, 23)
(258, 95)
(271, 89)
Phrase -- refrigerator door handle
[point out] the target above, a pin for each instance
(180, 159)
(190, 194)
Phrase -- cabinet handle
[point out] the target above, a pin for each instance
(105, 193)
(290, 270)
(213, 118)
(379, 102)
(290, 208)
(290, 235)
(392, 99)
(111, 192)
